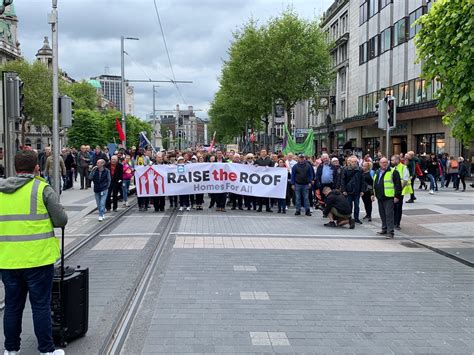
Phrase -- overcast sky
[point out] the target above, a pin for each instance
(198, 33)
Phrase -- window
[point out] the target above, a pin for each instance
(363, 13)
(428, 90)
(342, 80)
(343, 50)
(411, 92)
(420, 93)
(360, 110)
(436, 86)
(384, 3)
(402, 94)
(343, 109)
(386, 40)
(334, 58)
(363, 53)
(373, 47)
(400, 32)
(373, 7)
(415, 15)
(389, 91)
(343, 21)
(430, 143)
(334, 31)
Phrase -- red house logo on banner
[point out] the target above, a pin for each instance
(151, 183)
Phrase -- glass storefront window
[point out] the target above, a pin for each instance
(418, 90)
(431, 143)
(371, 146)
(411, 92)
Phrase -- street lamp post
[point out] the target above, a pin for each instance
(155, 134)
(122, 62)
(53, 20)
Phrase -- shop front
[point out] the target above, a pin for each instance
(432, 143)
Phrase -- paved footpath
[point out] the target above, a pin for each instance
(242, 282)
(247, 282)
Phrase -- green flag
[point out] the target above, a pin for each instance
(307, 147)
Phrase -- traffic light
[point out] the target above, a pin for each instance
(15, 99)
(66, 110)
(391, 112)
(382, 114)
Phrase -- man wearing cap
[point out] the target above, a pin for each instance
(302, 175)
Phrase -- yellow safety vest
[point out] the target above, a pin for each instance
(26, 232)
(389, 187)
(407, 190)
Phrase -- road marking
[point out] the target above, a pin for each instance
(269, 338)
(320, 244)
(127, 234)
(275, 235)
(252, 295)
(249, 268)
(136, 243)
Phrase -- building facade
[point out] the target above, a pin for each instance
(382, 61)
(112, 91)
(188, 131)
(9, 44)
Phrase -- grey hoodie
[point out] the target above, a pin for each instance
(51, 201)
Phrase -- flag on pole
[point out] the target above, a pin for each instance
(213, 142)
(144, 142)
(119, 130)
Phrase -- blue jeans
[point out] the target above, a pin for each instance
(125, 187)
(100, 199)
(302, 189)
(354, 200)
(281, 204)
(38, 282)
(433, 183)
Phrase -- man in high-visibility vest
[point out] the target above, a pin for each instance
(406, 187)
(387, 190)
(29, 210)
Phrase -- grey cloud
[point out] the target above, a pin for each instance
(198, 33)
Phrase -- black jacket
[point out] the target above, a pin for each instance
(337, 200)
(118, 173)
(379, 189)
(264, 162)
(368, 182)
(101, 181)
(352, 181)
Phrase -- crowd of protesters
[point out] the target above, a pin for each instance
(333, 183)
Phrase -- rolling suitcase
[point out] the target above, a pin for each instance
(69, 301)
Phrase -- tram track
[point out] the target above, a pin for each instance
(72, 250)
(121, 327)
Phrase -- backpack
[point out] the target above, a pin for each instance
(454, 164)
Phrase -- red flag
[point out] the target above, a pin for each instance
(119, 130)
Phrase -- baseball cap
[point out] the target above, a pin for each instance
(194, 157)
(301, 155)
(334, 159)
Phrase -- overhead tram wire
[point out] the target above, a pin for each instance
(167, 52)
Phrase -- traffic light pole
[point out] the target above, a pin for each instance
(53, 20)
(387, 140)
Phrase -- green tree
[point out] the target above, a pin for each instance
(287, 59)
(37, 81)
(87, 128)
(445, 47)
(82, 93)
(134, 126)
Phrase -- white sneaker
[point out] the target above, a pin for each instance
(11, 353)
(55, 352)
(181, 209)
(188, 209)
(101, 218)
(126, 204)
(431, 192)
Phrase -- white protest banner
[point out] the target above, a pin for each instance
(196, 178)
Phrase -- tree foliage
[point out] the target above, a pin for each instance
(287, 59)
(82, 93)
(445, 46)
(37, 89)
(87, 128)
